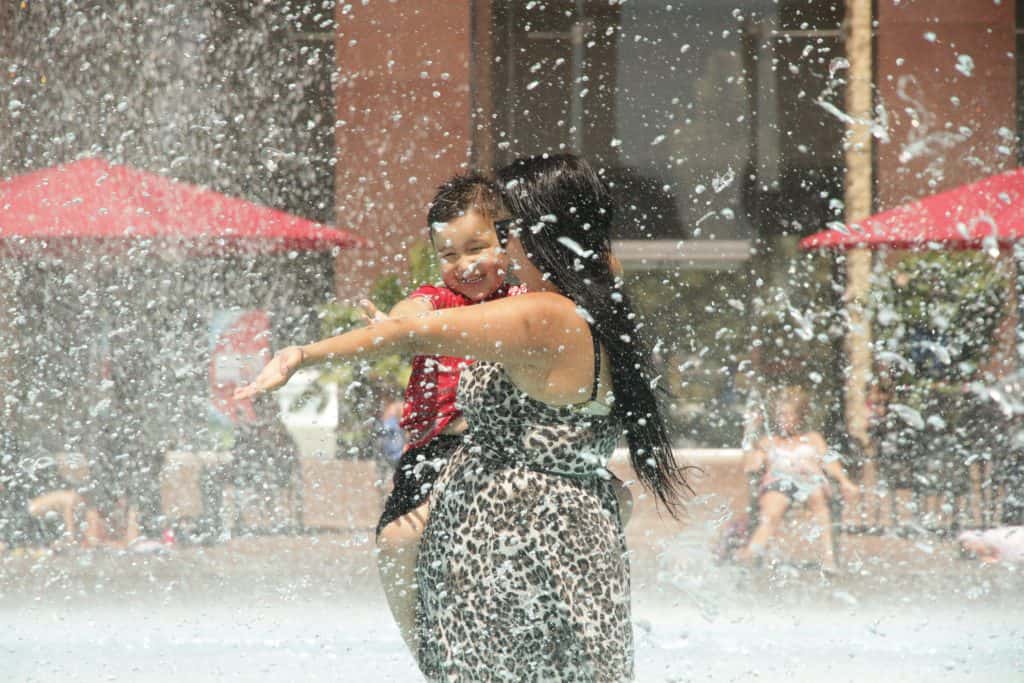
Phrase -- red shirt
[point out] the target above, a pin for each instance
(430, 394)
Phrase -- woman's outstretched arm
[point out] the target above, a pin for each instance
(532, 330)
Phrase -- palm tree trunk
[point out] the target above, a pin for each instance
(858, 207)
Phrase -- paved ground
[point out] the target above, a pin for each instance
(310, 609)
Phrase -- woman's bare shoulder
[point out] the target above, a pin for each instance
(543, 307)
(552, 299)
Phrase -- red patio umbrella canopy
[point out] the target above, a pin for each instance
(961, 218)
(91, 199)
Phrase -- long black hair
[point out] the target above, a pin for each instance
(565, 214)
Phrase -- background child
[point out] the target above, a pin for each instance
(1001, 544)
(791, 463)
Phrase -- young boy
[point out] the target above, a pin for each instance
(461, 221)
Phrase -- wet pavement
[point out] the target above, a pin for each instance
(310, 608)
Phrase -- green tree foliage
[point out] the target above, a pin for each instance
(936, 317)
(366, 385)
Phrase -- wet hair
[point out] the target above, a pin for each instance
(565, 211)
(461, 194)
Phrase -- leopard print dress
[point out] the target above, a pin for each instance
(522, 569)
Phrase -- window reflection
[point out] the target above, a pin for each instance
(708, 116)
(719, 126)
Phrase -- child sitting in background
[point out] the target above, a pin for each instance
(792, 464)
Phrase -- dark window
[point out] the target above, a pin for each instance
(712, 120)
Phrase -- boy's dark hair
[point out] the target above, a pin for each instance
(461, 194)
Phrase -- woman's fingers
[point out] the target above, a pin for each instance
(274, 375)
(246, 392)
(370, 312)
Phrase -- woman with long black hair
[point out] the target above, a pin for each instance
(522, 569)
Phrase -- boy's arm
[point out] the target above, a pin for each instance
(410, 306)
(833, 467)
(754, 459)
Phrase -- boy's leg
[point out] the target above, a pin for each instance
(398, 546)
(96, 531)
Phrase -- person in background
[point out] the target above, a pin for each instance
(1001, 544)
(392, 437)
(265, 460)
(791, 463)
(84, 522)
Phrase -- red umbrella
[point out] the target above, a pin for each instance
(93, 200)
(989, 211)
(962, 218)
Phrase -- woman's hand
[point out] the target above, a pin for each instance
(275, 374)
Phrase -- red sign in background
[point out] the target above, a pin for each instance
(240, 347)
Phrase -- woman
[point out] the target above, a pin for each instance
(792, 465)
(522, 567)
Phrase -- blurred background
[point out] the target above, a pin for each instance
(191, 186)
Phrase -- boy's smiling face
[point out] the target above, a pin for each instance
(472, 261)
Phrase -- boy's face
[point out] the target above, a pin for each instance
(472, 262)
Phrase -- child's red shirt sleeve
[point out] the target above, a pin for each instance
(433, 386)
(439, 297)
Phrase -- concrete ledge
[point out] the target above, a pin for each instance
(341, 494)
(336, 494)
(348, 494)
(691, 456)
(179, 481)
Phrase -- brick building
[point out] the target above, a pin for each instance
(720, 126)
